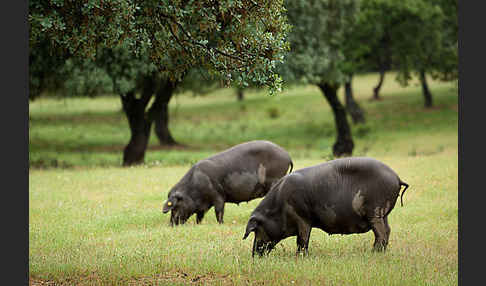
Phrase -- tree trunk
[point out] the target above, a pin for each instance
(384, 62)
(376, 89)
(159, 112)
(344, 144)
(134, 152)
(239, 94)
(425, 89)
(357, 114)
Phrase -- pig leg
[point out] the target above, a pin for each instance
(182, 220)
(388, 230)
(379, 229)
(254, 248)
(303, 239)
(303, 230)
(174, 219)
(219, 210)
(199, 217)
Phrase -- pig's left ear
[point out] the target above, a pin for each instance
(250, 227)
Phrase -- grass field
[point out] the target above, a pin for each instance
(92, 222)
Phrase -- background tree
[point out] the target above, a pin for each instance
(44, 70)
(413, 37)
(356, 50)
(144, 94)
(224, 37)
(352, 107)
(136, 81)
(316, 57)
(445, 66)
(240, 95)
(84, 78)
(380, 58)
(416, 54)
(372, 39)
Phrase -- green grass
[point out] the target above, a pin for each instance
(92, 222)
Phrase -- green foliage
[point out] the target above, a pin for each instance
(414, 35)
(84, 78)
(44, 69)
(118, 71)
(125, 69)
(445, 67)
(419, 52)
(225, 37)
(319, 30)
(199, 82)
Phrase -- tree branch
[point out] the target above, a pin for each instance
(194, 42)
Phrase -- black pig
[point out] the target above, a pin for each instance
(343, 196)
(242, 173)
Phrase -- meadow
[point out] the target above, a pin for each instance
(93, 222)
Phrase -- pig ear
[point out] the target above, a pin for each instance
(178, 196)
(250, 227)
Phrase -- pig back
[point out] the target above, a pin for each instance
(341, 195)
(248, 170)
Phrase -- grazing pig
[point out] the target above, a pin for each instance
(345, 196)
(242, 173)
